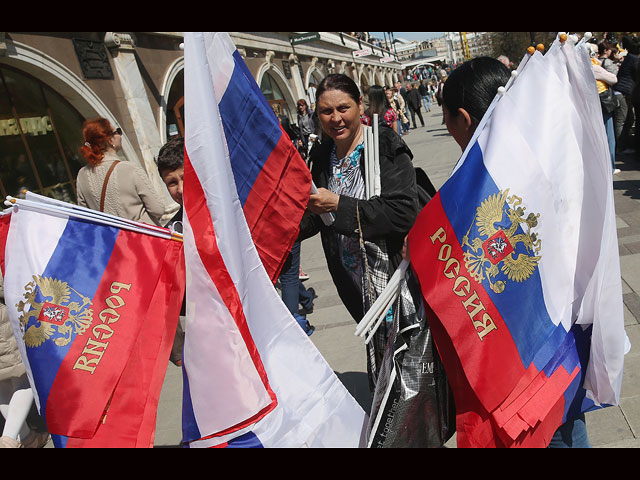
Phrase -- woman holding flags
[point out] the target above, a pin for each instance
(374, 224)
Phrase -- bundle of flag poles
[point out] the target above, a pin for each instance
(371, 158)
(51, 206)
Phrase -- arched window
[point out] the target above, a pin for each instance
(274, 95)
(175, 107)
(40, 137)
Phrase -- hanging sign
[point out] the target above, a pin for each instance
(362, 53)
(304, 38)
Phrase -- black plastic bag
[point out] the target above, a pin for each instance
(413, 403)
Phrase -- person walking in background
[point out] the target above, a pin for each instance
(439, 87)
(110, 185)
(414, 101)
(626, 82)
(604, 81)
(306, 125)
(608, 55)
(424, 93)
(403, 121)
(403, 92)
(438, 93)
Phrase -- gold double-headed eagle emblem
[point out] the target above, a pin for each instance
(494, 249)
(56, 317)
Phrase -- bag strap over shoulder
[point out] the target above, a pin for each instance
(104, 186)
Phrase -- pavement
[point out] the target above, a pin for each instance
(436, 152)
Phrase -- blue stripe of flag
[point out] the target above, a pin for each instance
(250, 126)
(190, 430)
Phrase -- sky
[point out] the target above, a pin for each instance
(418, 36)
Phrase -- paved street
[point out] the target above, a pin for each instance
(436, 152)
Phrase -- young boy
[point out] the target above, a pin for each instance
(171, 168)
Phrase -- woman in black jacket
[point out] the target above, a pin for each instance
(338, 173)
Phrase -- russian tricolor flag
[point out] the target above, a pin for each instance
(252, 377)
(94, 309)
(517, 258)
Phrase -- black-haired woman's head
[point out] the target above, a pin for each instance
(339, 106)
(468, 92)
(378, 102)
(339, 81)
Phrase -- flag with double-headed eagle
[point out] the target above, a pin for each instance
(94, 309)
(518, 262)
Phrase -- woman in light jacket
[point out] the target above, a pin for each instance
(128, 192)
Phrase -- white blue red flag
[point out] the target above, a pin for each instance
(95, 310)
(517, 258)
(252, 378)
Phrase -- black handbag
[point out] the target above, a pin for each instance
(608, 101)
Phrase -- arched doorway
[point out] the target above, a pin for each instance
(275, 96)
(172, 111)
(314, 77)
(40, 136)
(175, 107)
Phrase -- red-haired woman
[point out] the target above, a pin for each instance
(110, 185)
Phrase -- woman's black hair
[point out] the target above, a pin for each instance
(339, 81)
(378, 101)
(473, 85)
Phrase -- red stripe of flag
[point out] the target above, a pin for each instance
(275, 206)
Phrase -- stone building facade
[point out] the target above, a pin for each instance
(51, 82)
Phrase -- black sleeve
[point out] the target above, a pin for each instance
(309, 226)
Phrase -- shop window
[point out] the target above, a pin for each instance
(40, 135)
